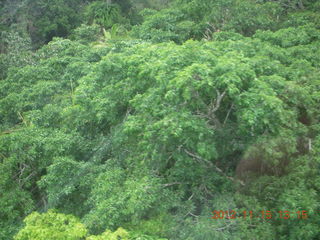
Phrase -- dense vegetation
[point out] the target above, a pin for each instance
(137, 119)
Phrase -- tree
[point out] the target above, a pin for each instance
(154, 134)
(51, 225)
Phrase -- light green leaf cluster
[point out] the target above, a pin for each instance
(51, 226)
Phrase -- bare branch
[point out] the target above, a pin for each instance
(22, 119)
(198, 157)
(216, 106)
(127, 114)
(309, 144)
(190, 213)
(212, 165)
(225, 120)
(171, 184)
(207, 191)
(1, 155)
(10, 131)
(213, 107)
(222, 228)
(190, 197)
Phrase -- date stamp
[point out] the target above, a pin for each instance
(265, 214)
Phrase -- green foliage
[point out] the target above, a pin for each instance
(54, 225)
(120, 233)
(290, 37)
(52, 19)
(166, 25)
(14, 52)
(86, 34)
(68, 183)
(200, 19)
(115, 200)
(214, 106)
(51, 225)
(104, 14)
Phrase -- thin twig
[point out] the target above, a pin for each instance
(20, 116)
(222, 228)
(190, 213)
(171, 184)
(190, 197)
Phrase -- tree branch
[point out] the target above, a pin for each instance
(22, 119)
(171, 184)
(10, 131)
(222, 228)
(225, 120)
(215, 107)
(213, 166)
